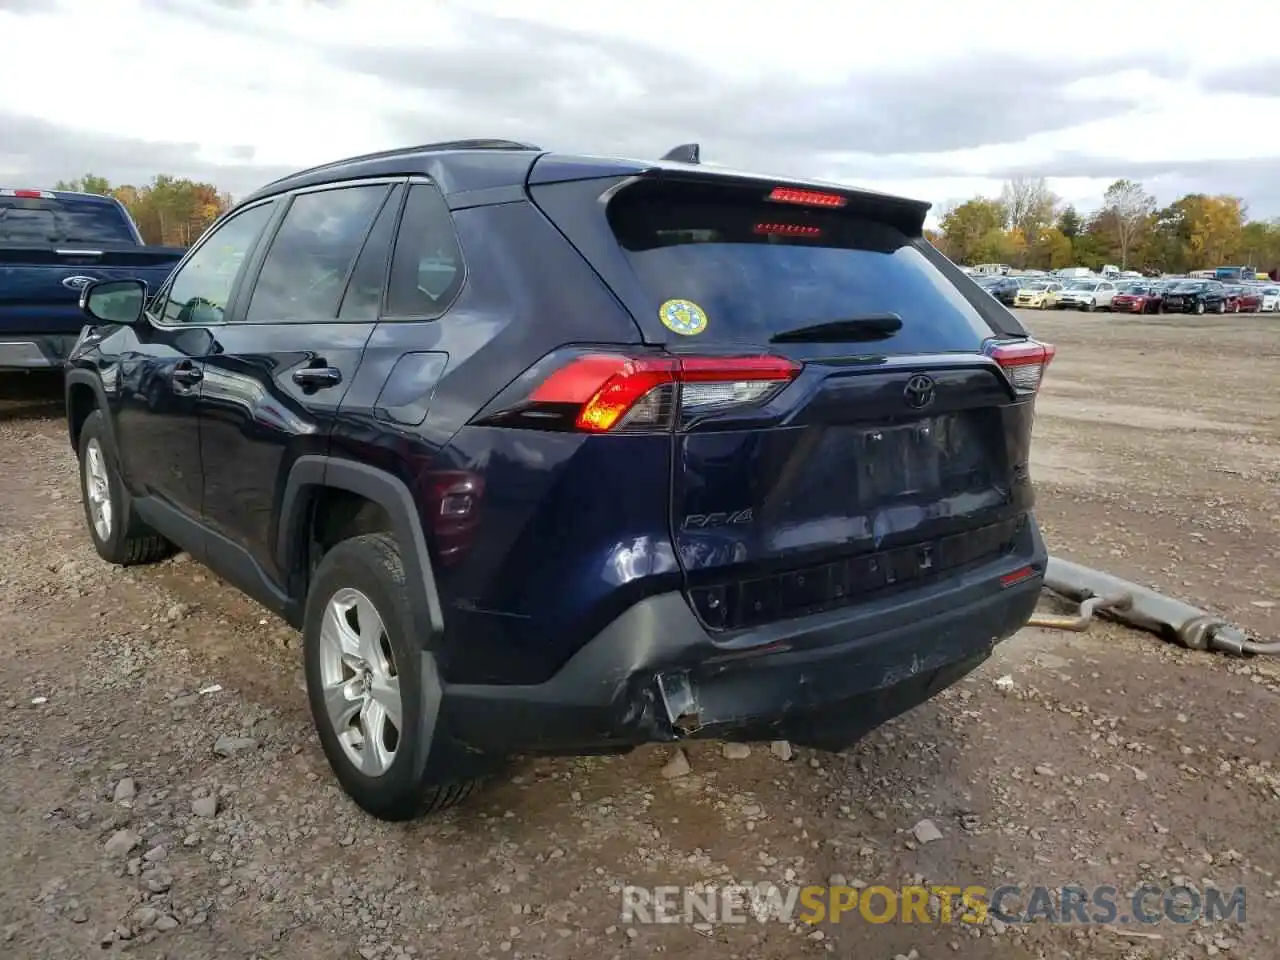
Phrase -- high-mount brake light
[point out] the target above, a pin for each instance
(611, 392)
(788, 230)
(1023, 362)
(27, 194)
(806, 198)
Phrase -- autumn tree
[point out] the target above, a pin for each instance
(968, 228)
(1028, 205)
(170, 211)
(1130, 208)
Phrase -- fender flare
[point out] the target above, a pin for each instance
(390, 493)
(79, 377)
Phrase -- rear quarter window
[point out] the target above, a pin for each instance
(757, 268)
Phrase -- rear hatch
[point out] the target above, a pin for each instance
(51, 247)
(843, 425)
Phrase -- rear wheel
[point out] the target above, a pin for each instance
(365, 682)
(118, 534)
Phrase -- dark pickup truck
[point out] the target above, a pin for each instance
(52, 244)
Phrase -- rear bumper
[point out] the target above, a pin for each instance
(19, 351)
(822, 680)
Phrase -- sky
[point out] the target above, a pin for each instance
(936, 101)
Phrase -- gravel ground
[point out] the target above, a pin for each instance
(163, 794)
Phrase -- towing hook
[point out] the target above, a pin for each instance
(1136, 606)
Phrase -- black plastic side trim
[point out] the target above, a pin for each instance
(224, 557)
(75, 377)
(387, 491)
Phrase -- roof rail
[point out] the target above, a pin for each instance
(685, 153)
(473, 144)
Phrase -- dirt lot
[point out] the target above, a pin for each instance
(1109, 759)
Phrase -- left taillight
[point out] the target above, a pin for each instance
(616, 393)
(1023, 362)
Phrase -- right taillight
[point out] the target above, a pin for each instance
(615, 393)
(1023, 362)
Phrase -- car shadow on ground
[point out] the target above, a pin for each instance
(30, 395)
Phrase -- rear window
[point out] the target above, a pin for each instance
(40, 220)
(757, 268)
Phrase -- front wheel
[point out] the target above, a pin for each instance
(1222, 306)
(118, 533)
(1199, 307)
(366, 683)
(1090, 306)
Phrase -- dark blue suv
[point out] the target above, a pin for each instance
(566, 454)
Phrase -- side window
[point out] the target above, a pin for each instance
(363, 300)
(201, 289)
(305, 270)
(426, 268)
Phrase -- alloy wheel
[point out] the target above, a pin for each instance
(97, 487)
(361, 685)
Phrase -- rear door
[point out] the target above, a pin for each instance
(898, 451)
(277, 373)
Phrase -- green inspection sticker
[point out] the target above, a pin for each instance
(683, 317)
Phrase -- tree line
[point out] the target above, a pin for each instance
(1027, 226)
(169, 211)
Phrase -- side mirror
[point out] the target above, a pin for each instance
(114, 301)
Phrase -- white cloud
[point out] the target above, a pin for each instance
(937, 101)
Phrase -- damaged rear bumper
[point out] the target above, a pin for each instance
(656, 675)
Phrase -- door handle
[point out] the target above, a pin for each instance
(187, 375)
(317, 377)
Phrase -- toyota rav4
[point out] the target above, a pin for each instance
(564, 454)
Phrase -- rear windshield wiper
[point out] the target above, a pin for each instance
(873, 326)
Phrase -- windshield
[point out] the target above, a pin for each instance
(1133, 288)
(1039, 285)
(1189, 287)
(51, 220)
(1082, 285)
(750, 270)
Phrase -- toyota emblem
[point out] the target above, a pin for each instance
(919, 391)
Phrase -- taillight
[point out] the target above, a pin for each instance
(1023, 362)
(806, 198)
(607, 392)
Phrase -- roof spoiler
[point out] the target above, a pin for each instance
(685, 153)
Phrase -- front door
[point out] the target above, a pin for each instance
(278, 371)
(161, 366)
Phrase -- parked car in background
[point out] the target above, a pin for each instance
(1088, 295)
(1038, 295)
(1243, 298)
(1004, 289)
(1138, 298)
(486, 423)
(1196, 296)
(53, 244)
(1270, 300)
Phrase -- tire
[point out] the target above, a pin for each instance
(1222, 306)
(1199, 308)
(1090, 306)
(364, 575)
(118, 533)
